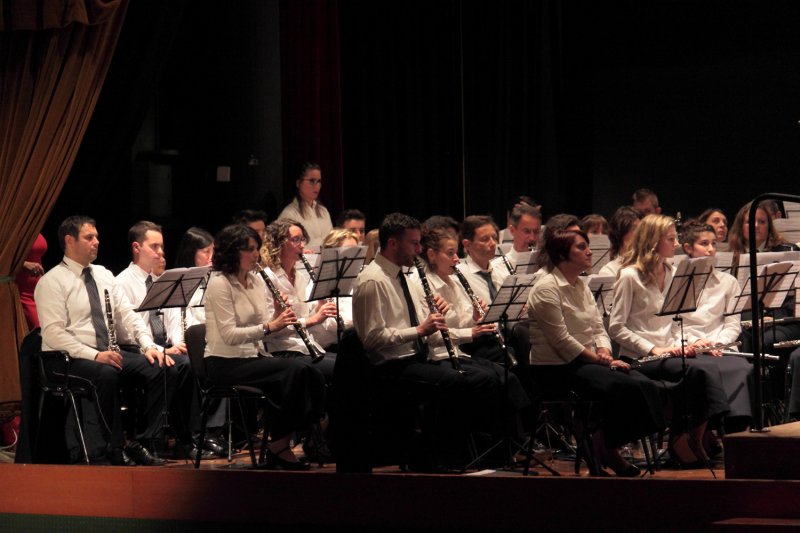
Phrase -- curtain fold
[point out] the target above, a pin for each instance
(54, 57)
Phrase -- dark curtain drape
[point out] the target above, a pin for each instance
(310, 79)
(53, 59)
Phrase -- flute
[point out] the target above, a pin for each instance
(476, 304)
(316, 355)
(448, 343)
(769, 322)
(310, 270)
(634, 362)
(112, 333)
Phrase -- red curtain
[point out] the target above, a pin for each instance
(54, 57)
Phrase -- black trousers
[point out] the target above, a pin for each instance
(296, 393)
(324, 366)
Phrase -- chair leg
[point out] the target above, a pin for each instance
(80, 428)
(229, 424)
(647, 455)
(38, 425)
(250, 444)
(203, 422)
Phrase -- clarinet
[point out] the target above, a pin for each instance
(112, 333)
(448, 343)
(310, 270)
(507, 263)
(315, 354)
(477, 306)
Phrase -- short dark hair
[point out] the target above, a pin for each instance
(641, 195)
(349, 214)
(441, 221)
(555, 223)
(521, 199)
(394, 225)
(559, 244)
(194, 239)
(691, 230)
(524, 209)
(246, 216)
(138, 231)
(227, 245)
(620, 224)
(472, 223)
(72, 226)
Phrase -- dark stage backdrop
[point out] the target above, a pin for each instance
(446, 107)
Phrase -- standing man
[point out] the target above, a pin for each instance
(73, 315)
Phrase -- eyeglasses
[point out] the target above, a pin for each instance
(313, 181)
(297, 240)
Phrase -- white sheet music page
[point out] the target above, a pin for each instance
(602, 288)
(600, 246)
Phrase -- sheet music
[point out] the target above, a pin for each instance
(601, 251)
(792, 209)
(775, 280)
(602, 288)
(337, 271)
(762, 258)
(510, 299)
(687, 284)
(789, 228)
(174, 288)
(724, 261)
(526, 262)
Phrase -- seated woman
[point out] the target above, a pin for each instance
(326, 332)
(708, 326)
(195, 250)
(623, 224)
(285, 242)
(570, 350)
(635, 324)
(239, 315)
(715, 217)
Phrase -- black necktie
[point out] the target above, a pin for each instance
(487, 277)
(156, 324)
(98, 318)
(419, 346)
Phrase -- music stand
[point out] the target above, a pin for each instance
(335, 273)
(682, 296)
(174, 288)
(602, 288)
(601, 251)
(526, 262)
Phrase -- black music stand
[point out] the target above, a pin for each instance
(507, 307)
(174, 288)
(682, 296)
(601, 288)
(526, 262)
(335, 273)
(601, 251)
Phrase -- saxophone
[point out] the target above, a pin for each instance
(448, 343)
(476, 304)
(315, 354)
(112, 333)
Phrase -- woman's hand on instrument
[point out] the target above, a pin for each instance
(482, 329)
(286, 318)
(433, 322)
(705, 343)
(325, 309)
(477, 316)
(278, 307)
(616, 364)
(604, 356)
(441, 304)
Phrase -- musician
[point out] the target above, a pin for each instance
(570, 350)
(635, 324)
(353, 220)
(326, 333)
(257, 220)
(479, 239)
(285, 242)
(708, 326)
(715, 217)
(646, 202)
(305, 208)
(525, 227)
(195, 250)
(506, 235)
(594, 224)
(623, 224)
(147, 249)
(402, 338)
(240, 314)
(70, 300)
(561, 221)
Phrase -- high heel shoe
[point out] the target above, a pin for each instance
(274, 460)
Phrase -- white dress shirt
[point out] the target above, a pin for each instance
(634, 323)
(380, 314)
(478, 284)
(287, 339)
(564, 320)
(132, 281)
(709, 320)
(317, 227)
(235, 316)
(611, 268)
(65, 313)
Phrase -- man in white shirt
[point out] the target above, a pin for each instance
(73, 319)
(401, 337)
(479, 239)
(355, 221)
(525, 227)
(147, 250)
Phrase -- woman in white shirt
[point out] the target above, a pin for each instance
(570, 350)
(195, 250)
(623, 224)
(239, 315)
(305, 206)
(709, 325)
(635, 324)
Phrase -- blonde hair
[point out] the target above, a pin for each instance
(643, 252)
(337, 236)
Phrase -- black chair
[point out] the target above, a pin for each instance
(195, 346)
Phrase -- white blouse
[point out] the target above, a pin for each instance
(317, 227)
(709, 320)
(235, 316)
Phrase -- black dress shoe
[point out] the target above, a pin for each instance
(142, 455)
(276, 461)
(118, 457)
